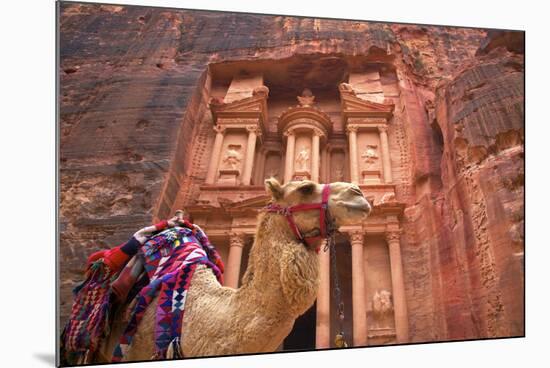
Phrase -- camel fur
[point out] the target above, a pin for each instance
(279, 285)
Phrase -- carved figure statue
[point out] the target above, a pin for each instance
(381, 303)
(232, 157)
(302, 159)
(339, 173)
(272, 173)
(370, 155)
(307, 98)
(382, 308)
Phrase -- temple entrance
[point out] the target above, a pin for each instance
(302, 336)
(343, 261)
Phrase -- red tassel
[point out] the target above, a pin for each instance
(115, 258)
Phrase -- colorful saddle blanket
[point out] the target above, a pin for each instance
(171, 258)
(89, 320)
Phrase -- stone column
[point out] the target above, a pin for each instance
(385, 148)
(216, 152)
(233, 268)
(323, 170)
(398, 287)
(315, 155)
(249, 160)
(328, 163)
(359, 298)
(261, 168)
(352, 137)
(289, 162)
(256, 173)
(322, 331)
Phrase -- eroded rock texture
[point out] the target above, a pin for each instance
(132, 87)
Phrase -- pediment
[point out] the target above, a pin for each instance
(353, 106)
(249, 107)
(254, 202)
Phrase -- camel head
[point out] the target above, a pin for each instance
(347, 204)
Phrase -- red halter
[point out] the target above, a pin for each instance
(323, 216)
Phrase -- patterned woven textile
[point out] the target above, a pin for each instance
(89, 315)
(171, 258)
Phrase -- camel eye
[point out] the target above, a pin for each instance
(307, 189)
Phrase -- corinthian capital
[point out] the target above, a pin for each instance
(288, 133)
(382, 128)
(318, 132)
(352, 128)
(236, 239)
(252, 129)
(219, 129)
(356, 237)
(393, 236)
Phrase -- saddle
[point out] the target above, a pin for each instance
(163, 268)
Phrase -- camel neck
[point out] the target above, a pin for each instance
(282, 272)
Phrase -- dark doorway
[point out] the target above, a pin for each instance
(302, 336)
(344, 267)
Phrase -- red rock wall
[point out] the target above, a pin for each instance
(480, 112)
(134, 82)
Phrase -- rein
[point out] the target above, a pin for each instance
(328, 232)
(326, 225)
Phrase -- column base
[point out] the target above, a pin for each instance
(370, 177)
(229, 177)
(301, 175)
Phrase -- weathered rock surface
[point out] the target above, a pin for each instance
(131, 90)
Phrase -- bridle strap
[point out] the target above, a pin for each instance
(323, 216)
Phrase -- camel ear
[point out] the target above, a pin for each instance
(273, 187)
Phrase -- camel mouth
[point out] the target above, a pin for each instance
(354, 212)
(359, 206)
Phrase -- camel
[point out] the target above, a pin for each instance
(279, 284)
